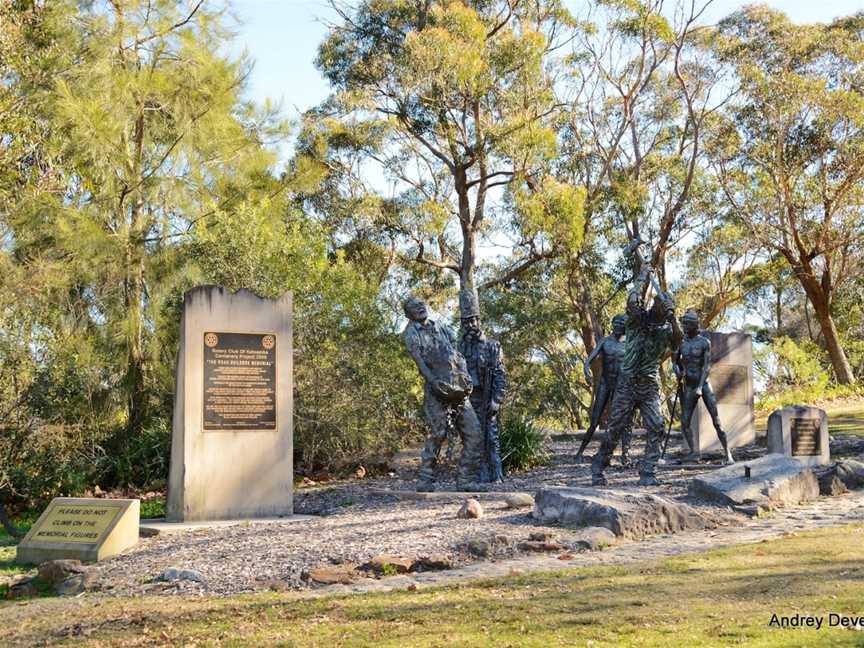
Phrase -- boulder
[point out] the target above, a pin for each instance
(536, 546)
(594, 539)
(22, 587)
(830, 485)
(74, 585)
(774, 479)
(851, 473)
(332, 575)
(386, 563)
(471, 510)
(623, 513)
(518, 500)
(434, 562)
(176, 574)
(55, 572)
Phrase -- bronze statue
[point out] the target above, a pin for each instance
(446, 397)
(485, 362)
(610, 350)
(692, 364)
(651, 332)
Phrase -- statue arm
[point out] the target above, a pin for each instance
(706, 364)
(413, 347)
(586, 366)
(676, 363)
(677, 333)
(499, 380)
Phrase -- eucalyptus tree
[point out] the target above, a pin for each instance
(454, 104)
(792, 168)
(643, 93)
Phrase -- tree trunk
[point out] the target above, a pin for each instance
(820, 302)
(842, 368)
(7, 523)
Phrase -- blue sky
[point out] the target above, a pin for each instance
(282, 37)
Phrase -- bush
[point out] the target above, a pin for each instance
(523, 444)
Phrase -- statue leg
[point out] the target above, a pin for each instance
(477, 401)
(472, 448)
(689, 400)
(710, 401)
(496, 467)
(648, 394)
(620, 418)
(435, 412)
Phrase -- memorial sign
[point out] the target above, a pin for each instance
(231, 448)
(239, 381)
(731, 379)
(81, 528)
(800, 432)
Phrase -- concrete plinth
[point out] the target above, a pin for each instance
(731, 379)
(800, 432)
(231, 449)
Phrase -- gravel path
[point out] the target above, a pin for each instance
(353, 526)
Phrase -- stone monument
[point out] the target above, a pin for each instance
(732, 381)
(231, 446)
(800, 432)
(83, 529)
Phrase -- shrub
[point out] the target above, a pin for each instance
(523, 444)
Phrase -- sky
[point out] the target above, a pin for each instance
(282, 37)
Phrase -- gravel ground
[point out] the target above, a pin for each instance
(353, 525)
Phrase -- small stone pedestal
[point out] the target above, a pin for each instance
(800, 432)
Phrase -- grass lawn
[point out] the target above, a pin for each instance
(722, 598)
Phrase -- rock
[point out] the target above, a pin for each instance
(541, 536)
(830, 485)
(773, 478)
(435, 562)
(754, 510)
(22, 587)
(624, 513)
(851, 473)
(479, 547)
(54, 572)
(175, 574)
(518, 500)
(335, 574)
(74, 585)
(471, 509)
(537, 546)
(386, 563)
(595, 539)
(276, 585)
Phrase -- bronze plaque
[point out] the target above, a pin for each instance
(239, 381)
(731, 384)
(806, 437)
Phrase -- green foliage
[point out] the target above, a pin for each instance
(798, 374)
(153, 508)
(523, 444)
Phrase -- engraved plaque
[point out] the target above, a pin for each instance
(84, 524)
(730, 384)
(239, 381)
(805, 434)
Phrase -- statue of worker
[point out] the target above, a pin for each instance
(485, 362)
(446, 400)
(692, 364)
(651, 333)
(610, 351)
